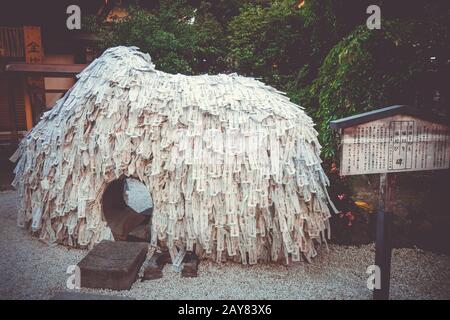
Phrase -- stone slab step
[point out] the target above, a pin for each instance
(112, 265)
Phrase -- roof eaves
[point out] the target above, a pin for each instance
(383, 113)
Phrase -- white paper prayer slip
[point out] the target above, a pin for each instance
(231, 164)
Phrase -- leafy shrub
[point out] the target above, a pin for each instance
(178, 40)
(268, 42)
(371, 69)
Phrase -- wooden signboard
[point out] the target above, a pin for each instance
(386, 141)
(35, 100)
(397, 143)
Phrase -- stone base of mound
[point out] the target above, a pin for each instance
(153, 268)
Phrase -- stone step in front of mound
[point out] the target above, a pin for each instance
(112, 265)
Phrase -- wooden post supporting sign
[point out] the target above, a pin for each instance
(383, 251)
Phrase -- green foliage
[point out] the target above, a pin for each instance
(268, 42)
(321, 22)
(327, 22)
(177, 39)
(370, 69)
(224, 10)
(210, 45)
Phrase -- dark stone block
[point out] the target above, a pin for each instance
(190, 265)
(112, 265)
(123, 221)
(120, 218)
(152, 271)
(162, 258)
(140, 234)
(153, 268)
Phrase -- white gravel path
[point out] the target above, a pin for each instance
(30, 269)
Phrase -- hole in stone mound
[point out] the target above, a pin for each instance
(127, 208)
(137, 197)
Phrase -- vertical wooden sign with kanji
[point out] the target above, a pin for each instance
(35, 100)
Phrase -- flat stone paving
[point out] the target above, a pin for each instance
(112, 265)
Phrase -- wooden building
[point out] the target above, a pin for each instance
(39, 58)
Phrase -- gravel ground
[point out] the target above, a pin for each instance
(30, 269)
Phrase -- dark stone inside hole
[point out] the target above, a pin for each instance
(125, 222)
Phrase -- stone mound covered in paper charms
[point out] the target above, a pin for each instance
(232, 165)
